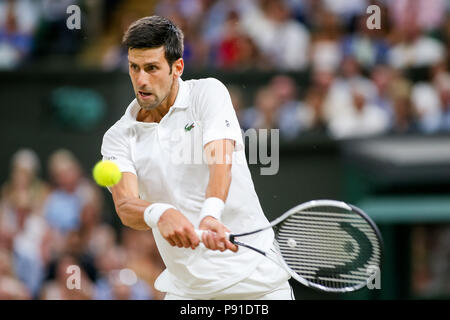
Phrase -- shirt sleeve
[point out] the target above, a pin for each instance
(116, 148)
(217, 115)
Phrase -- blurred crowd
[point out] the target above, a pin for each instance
(349, 104)
(362, 81)
(47, 228)
(359, 79)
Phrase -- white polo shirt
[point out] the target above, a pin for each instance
(165, 158)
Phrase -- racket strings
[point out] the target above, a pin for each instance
(329, 246)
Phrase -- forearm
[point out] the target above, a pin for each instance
(131, 212)
(219, 182)
(216, 192)
(218, 188)
(220, 152)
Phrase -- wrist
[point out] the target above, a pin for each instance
(153, 213)
(212, 207)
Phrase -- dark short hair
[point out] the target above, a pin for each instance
(154, 32)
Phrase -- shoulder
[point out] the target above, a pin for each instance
(206, 87)
(208, 93)
(117, 129)
(116, 136)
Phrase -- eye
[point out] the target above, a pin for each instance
(134, 67)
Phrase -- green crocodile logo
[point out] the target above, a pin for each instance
(189, 127)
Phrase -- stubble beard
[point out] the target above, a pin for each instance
(148, 105)
(156, 103)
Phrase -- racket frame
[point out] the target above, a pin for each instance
(277, 258)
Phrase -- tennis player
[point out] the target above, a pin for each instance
(173, 195)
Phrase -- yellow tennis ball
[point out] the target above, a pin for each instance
(106, 173)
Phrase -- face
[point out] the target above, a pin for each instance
(151, 76)
(66, 175)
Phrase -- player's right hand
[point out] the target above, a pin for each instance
(177, 229)
(215, 238)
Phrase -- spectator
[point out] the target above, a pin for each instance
(346, 10)
(339, 101)
(336, 94)
(284, 40)
(265, 112)
(404, 117)
(122, 285)
(236, 50)
(18, 22)
(10, 287)
(197, 52)
(215, 15)
(24, 184)
(368, 47)
(91, 221)
(143, 258)
(189, 9)
(103, 239)
(117, 282)
(445, 38)
(429, 14)
(364, 120)
(414, 49)
(22, 228)
(382, 76)
(65, 203)
(427, 106)
(431, 103)
(53, 38)
(58, 289)
(443, 84)
(311, 114)
(325, 45)
(351, 75)
(72, 248)
(30, 257)
(285, 89)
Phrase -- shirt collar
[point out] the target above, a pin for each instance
(181, 100)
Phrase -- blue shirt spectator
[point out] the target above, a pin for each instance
(104, 290)
(63, 211)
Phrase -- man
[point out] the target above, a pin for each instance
(165, 187)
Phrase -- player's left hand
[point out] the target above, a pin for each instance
(216, 239)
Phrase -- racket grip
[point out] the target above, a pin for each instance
(200, 234)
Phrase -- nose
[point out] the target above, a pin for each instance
(141, 79)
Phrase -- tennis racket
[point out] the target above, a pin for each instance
(324, 244)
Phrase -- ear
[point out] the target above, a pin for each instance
(178, 67)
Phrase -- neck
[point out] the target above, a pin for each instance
(168, 102)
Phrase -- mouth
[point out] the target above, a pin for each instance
(144, 95)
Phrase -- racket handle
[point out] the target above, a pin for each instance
(200, 234)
